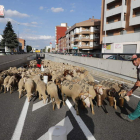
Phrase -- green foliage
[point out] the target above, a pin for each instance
(9, 37)
(48, 50)
(28, 48)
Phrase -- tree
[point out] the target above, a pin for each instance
(48, 50)
(28, 48)
(9, 37)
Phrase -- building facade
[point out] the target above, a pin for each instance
(62, 44)
(22, 41)
(84, 36)
(120, 26)
(60, 32)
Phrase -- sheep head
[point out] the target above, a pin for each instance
(85, 98)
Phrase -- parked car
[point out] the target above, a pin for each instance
(114, 57)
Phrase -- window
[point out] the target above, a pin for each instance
(137, 13)
(111, 7)
(125, 2)
(137, 29)
(110, 34)
(110, 21)
(123, 32)
(124, 17)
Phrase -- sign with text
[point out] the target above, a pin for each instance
(1, 11)
(75, 48)
(108, 47)
(118, 46)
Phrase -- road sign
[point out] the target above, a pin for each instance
(1, 11)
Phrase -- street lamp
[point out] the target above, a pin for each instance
(18, 36)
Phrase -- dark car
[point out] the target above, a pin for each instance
(114, 57)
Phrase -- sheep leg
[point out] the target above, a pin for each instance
(63, 99)
(115, 106)
(1, 89)
(10, 90)
(40, 98)
(76, 105)
(20, 95)
(4, 89)
(91, 106)
(53, 103)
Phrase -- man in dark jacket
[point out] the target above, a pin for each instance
(39, 62)
(132, 116)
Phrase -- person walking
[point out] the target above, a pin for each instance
(39, 62)
(134, 115)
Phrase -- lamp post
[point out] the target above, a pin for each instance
(18, 36)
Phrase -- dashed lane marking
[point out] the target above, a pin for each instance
(20, 124)
(82, 125)
(39, 105)
(65, 122)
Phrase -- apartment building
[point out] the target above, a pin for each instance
(60, 32)
(62, 44)
(84, 36)
(120, 26)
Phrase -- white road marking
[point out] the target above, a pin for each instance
(20, 124)
(39, 105)
(65, 122)
(82, 125)
(136, 96)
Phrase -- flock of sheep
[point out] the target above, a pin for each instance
(64, 81)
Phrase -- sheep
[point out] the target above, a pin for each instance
(6, 80)
(12, 83)
(89, 96)
(21, 86)
(52, 91)
(1, 82)
(73, 90)
(30, 88)
(41, 88)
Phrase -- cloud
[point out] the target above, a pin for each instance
(38, 37)
(41, 7)
(71, 10)
(73, 5)
(56, 10)
(10, 13)
(5, 20)
(34, 23)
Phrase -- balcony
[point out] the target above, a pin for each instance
(85, 38)
(132, 37)
(134, 21)
(116, 11)
(86, 31)
(109, 1)
(115, 25)
(135, 4)
(76, 39)
(85, 46)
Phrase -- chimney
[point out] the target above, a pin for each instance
(93, 17)
(89, 18)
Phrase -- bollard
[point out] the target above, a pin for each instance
(45, 79)
(42, 69)
(57, 133)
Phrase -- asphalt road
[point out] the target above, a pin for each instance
(101, 126)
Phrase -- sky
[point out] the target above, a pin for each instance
(35, 20)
